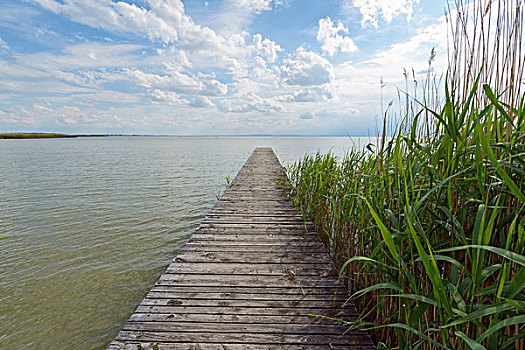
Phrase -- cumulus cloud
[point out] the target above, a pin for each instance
(249, 102)
(165, 20)
(332, 37)
(267, 48)
(323, 93)
(42, 107)
(17, 119)
(201, 101)
(174, 59)
(3, 46)
(159, 96)
(157, 55)
(306, 68)
(257, 6)
(179, 82)
(114, 16)
(375, 10)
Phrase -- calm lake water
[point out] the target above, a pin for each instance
(87, 225)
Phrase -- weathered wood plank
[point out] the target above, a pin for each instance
(315, 269)
(132, 345)
(246, 338)
(220, 327)
(239, 310)
(246, 280)
(243, 239)
(252, 276)
(327, 291)
(225, 318)
(249, 249)
(297, 232)
(261, 225)
(235, 246)
(317, 304)
(163, 294)
(244, 257)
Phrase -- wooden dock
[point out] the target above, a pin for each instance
(250, 277)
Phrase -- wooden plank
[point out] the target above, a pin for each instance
(236, 245)
(246, 280)
(244, 248)
(225, 318)
(231, 219)
(250, 303)
(214, 247)
(326, 291)
(233, 214)
(163, 294)
(244, 239)
(220, 327)
(252, 276)
(261, 225)
(246, 338)
(297, 231)
(239, 310)
(135, 345)
(315, 269)
(244, 257)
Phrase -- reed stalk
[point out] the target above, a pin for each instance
(429, 228)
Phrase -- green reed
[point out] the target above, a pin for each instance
(429, 228)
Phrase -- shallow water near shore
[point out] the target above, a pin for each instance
(87, 225)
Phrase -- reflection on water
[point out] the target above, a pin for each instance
(87, 225)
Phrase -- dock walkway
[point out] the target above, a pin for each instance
(250, 277)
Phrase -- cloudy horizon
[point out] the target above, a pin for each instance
(236, 67)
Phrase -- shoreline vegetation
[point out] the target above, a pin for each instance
(428, 226)
(41, 135)
(33, 135)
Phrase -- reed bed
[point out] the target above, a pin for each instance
(428, 227)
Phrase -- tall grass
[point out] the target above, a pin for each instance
(429, 228)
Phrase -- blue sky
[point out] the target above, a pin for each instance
(304, 67)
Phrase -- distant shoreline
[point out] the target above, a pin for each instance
(41, 135)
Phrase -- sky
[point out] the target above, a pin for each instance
(224, 67)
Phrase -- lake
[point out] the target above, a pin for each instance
(87, 225)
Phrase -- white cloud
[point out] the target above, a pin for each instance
(201, 101)
(114, 16)
(3, 46)
(306, 68)
(18, 120)
(83, 56)
(169, 97)
(42, 107)
(257, 84)
(266, 48)
(258, 6)
(109, 96)
(323, 93)
(414, 52)
(179, 82)
(358, 82)
(249, 102)
(329, 35)
(375, 10)
(174, 59)
(164, 21)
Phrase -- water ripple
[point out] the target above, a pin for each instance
(88, 225)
